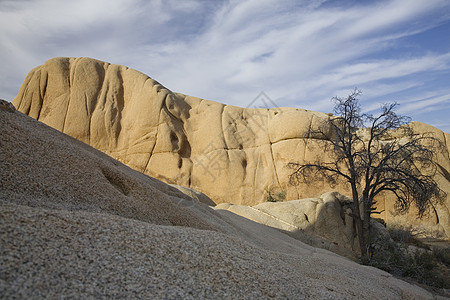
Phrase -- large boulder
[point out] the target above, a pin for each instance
(229, 153)
(323, 222)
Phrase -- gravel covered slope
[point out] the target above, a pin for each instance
(57, 254)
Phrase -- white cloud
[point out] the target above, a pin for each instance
(424, 103)
(301, 53)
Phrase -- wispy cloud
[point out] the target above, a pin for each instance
(301, 53)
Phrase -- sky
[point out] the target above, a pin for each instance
(298, 53)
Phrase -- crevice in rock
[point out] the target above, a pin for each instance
(154, 144)
(120, 104)
(274, 165)
(306, 218)
(244, 163)
(42, 91)
(222, 127)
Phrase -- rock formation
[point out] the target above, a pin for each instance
(231, 154)
(323, 222)
(76, 223)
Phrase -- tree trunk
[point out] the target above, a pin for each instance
(366, 219)
(359, 223)
(365, 229)
(362, 237)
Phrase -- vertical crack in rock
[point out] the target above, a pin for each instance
(71, 69)
(180, 144)
(156, 139)
(98, 99)
(89, 117)
(274, 165)
(42, 91)
(118, 102)
(66, 112)
(222, 127)
(271, 150)
(189, 155)
(254, 177)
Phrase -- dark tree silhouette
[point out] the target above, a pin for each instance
(374, 155)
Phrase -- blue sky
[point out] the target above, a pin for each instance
(300, 53)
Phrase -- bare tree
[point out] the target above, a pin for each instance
(374, 155)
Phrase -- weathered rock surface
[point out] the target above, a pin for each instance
(323, 222)
(229, 153)
(75, 223)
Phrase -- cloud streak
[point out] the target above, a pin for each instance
(301, 53)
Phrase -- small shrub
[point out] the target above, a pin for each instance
(381, 221)
(442, 255)
(395, 256)
(400, 234)
(405, 235)
(270, 198)
(275, 197)
(281, 195)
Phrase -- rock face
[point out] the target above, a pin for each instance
(323, 222)
(77, 223)
(229, 153)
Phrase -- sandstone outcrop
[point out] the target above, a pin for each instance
(229, 153)
(76, 223)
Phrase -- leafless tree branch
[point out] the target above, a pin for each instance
(374, 154)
